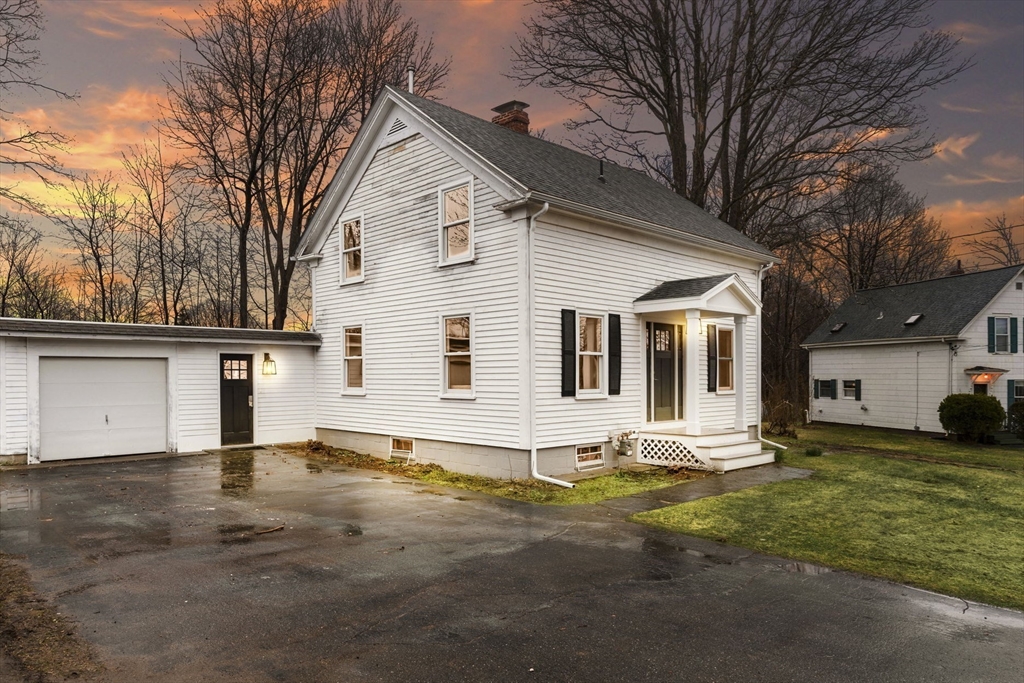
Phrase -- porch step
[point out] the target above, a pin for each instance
(745, 447)
(727, 463)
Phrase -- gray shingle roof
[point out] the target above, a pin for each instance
(560, 172)
(946, 305)
(684, 289)
(62, 328)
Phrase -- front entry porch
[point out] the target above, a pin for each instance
(697, 404)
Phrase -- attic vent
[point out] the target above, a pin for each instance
(397, 127)
(914, 318)
(837, 327)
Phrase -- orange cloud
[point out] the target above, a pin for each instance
(961, 217)
(955, 146)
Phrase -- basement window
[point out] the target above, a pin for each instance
(590, 456)
(402, 448)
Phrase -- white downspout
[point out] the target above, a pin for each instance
(760, 340)
(532, 389)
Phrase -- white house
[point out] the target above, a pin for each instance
(504, 305)
(888, 356)
(483, 299)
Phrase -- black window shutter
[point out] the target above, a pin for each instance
(568, 352)
(856, 390)
(712, 358)
(1010, 395)
(614, 354)
(991, 335)
(835, 389)
(1013, 335)
(817, 388)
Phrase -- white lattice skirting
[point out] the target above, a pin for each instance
(668, 453)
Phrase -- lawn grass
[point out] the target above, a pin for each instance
(954, 530)
(919, 446)
(617, 485)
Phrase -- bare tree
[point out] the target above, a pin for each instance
(24, 148)
(268, 107)
(95, 229)
(745, 107)
(1004, 248)
(874, 233)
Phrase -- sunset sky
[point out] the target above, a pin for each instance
(113, 53)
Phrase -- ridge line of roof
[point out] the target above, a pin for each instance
(935, 279)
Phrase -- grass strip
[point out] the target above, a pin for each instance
(954, 530)
(617, 485)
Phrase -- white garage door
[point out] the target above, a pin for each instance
(91, 407)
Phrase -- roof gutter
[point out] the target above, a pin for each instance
(532, 389)
(880, 342)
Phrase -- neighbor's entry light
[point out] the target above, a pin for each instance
(269, 366)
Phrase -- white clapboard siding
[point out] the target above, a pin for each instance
(588, 268)
(401, 298)
(198, 385)
(285, 402)
(14, 396)
(974, 351)
(901, 384)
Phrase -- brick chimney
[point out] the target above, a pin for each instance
(512, 115)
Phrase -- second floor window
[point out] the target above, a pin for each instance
(352, 250)
(1002, 335)
(457, 224)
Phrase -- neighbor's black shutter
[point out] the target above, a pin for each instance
(1013, 335)
(1010, 396)
(712, 358)
(856, 390)
(568, 352)
(817, 388)
(614, 354)
(835, 389)
(991, 335)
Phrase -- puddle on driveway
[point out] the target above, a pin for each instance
(313, 468)
(805, 568)
(237, 472)
(20, 499)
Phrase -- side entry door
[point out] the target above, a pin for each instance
(235, 399)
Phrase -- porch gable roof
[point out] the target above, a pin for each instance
(724, 293)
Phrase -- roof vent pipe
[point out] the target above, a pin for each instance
(412, 79)
(601, 171)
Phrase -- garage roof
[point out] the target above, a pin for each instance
(22, 327)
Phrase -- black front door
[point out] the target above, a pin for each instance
(663, 371)
(235, 398)
(981, 388)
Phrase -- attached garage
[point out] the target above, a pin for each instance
(72, 390)
(91, 407)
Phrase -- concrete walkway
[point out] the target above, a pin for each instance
(373, 577)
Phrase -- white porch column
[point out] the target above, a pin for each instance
(691, 376)
(740, 370)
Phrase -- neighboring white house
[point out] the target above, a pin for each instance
(482, 298)
(82, 390)
(888, 356)
(504, 305)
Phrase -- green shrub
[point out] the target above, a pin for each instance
(971, 416)
(813, 452)
(1015, 421)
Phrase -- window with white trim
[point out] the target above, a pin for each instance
(590, 456)
(458, 355)
(725, 358)
(351, 249)
(850, 388)
(1002, 329)
(456, 234)
(590, 354)
(402, 447)
(353, 372)
(1018, 391)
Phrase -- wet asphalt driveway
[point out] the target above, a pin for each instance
(378, 578)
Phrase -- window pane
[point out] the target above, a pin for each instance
(456, 205)
(590, 372)
(662, 340)
(353, 341)
(725, 343)
(227, 374)
(590, 334)
(353, 263)
(589, 453)
(353, 234)
(1002, 325)
(457, 240)
(354, 373)
(404, 445)
(725, 373)
(459, 373)
(243, 374)
(456, 331)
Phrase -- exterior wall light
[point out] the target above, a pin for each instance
(269, 365)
